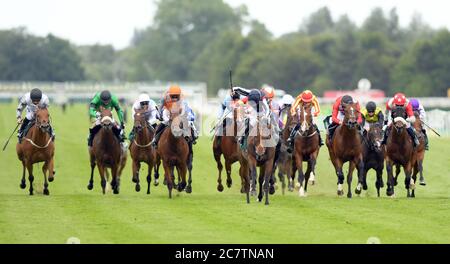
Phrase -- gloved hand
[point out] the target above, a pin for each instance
(122, 126)
(98, 114)
(19, 120)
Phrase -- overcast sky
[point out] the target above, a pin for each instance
(113, 21)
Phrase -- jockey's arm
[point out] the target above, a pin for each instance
(422, 113)
(380, 117)
(316, 106)
(294, 106)
(116, 106)
(21, 106)
(165, 116)
(410, 113)
(335, 113)
(358, 108)
(95, 102)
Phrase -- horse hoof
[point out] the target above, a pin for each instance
(290, 189)
(358, 192)
(188, 189)
(365, 186)
(349, 195)
(242, 190)
(46, 192)
(259, 199)
(395, 182)
(134, 180)
(138, 188)
(220, 188)
(50, 179)
(423, 183)
(229, 183)
(271, 190)
(23, 185)
(390, 193)
(297, 186)
(116, 191)
(340, 193)
(90, 187)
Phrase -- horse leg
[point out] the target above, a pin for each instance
(228, 169)
(283, 181)
(244, 173)
(51, 172)
(414, 179)
(268, 172)
(351, 168)
(379, 183)
(409, 184)
(136, 169)
(30, 176)
(361, 172)
(168, 177)
(420, 167)
(397, 172)
(390, 179)
(23, 184)
(272, 180)
(149, 175)
(340, 175)
(189, 168)
(91, 180)
(101, 171)
(182, 171)
(220, 168)
(44, 171)
(309, 172)
(260, 182)
(156, 168)
(301, 176)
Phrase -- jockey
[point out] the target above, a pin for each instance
(285, 106)
(372, 115)
(148, 105)
(106, 100)
(305, 98)
(399, 100)
(268, 93)
(338, 113)
(174, 96)
(31, 101)
(418, 107)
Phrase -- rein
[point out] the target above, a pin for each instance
(37, 146)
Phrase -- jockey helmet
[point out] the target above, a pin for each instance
(371, 106)
(415, 104)
(269, 92)
(307, 96)
(36, 94)
(287, 100)
(346, 99)
(254, 96)
(399, 99)
(105, 96)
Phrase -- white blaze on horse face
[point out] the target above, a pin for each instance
(304, 126)
(106, 120)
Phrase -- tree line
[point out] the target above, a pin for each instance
(196, 40)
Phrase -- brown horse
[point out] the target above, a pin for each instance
(174, 151)
(306, 148)
(226, 144)
(37, 146)
(346, 146)
(399, 150)
(261, 153)
(373, 153)
(419, 152)
(141, 149)
(106, 152)
(286, 164)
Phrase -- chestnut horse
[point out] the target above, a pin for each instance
(346, 146)
(141, 149)
(174, 151)
(37, 146)
(106, 152)
(399, 151)
(226, 146)
(373, 153)
(306, 147)
(261, 153)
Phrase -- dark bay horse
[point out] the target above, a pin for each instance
(373, 153)
(346, 146)
(174, 151)
(400, 152)
(106, 152)
(306, 148)
(286, 164)
(141, 149)
(226, 145)
(37, 146)
(261, 153)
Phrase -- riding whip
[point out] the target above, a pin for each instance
(6, 144)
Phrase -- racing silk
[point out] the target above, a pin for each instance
(378, 116)
(113, 104)
(228, 104)
(298, 102)
(185, 109)
(241, 91)
(421, 111)
(408, 109)
(25, 102)
(338, 113)
(152, 112)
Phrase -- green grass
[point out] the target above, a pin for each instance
(207, 216)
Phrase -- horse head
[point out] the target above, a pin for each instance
(351, 115)
(263, 129)
(43, 119)
(139, 121)
(376, 137)
(305, 119)
(178, 116)
(106, 118)
(399, 114)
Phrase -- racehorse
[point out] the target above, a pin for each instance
(419, 151)
(174, 151)
(37, 146)
(106, 152)
(141, 149)
(373, 154)
(306, 147)
(261, 153)
(399, 150)
(226, 145)
(346, 146)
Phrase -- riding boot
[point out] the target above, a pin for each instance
(194, 135)
(158, 133)
(320, 137)
(331, 128)
(22, 128)
(92, 132)
(52, 133)
(243, 139)
(385, 136)
(426, 138)
(413, 136)
(290, 140)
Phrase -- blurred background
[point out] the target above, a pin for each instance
(71, 49)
